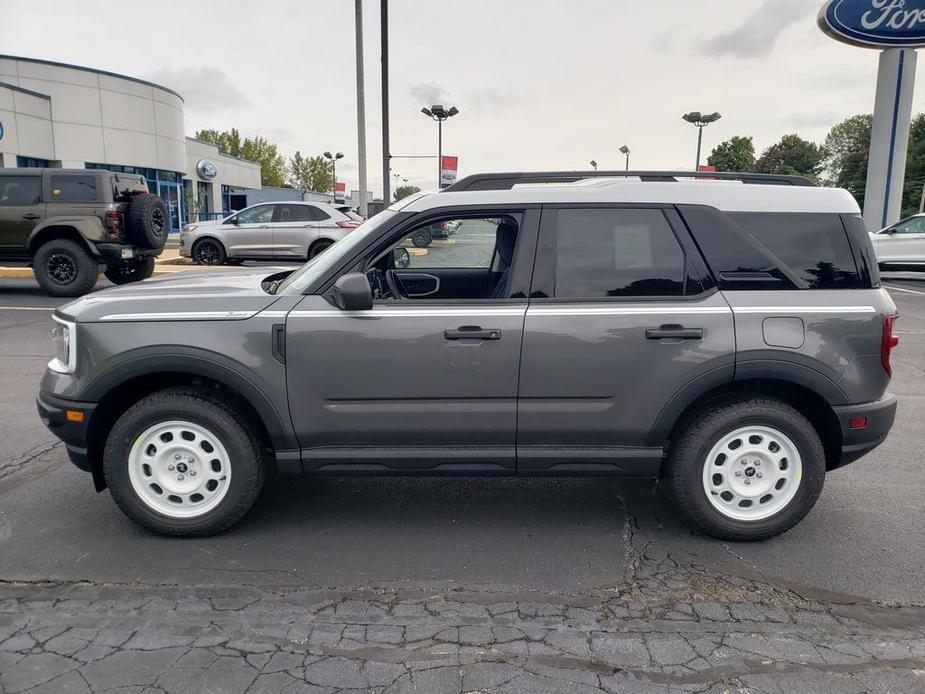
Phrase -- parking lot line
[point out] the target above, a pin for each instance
(27, 308)
(903, 289)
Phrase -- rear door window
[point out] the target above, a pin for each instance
(603, 253)
(20, 190)
(814, 246)
(73, 188)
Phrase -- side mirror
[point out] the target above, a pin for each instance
(353, 293)
(891, 231)
(401, 258)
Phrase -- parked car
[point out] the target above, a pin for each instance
(424, 236)
(267, 231)
(350, 212)
(729, 340)
(72, 224)
(902, 245)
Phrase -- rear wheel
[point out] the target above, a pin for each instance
(127, 271)
(184, 462)
(746, 469)
(319, 247)
(208, 252)
(63, 267)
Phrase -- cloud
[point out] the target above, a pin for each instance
(815, 119)
(494, 99)
(428, 93)
(759, 32)
(204, 89)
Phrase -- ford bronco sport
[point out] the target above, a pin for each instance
(729, 338)
(71, 224)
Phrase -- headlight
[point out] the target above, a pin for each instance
(64, 337)
(190, 227)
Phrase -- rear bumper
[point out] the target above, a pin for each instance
(116, 252)
(858, 442)
(75, 435)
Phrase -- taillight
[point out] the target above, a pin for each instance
(348, 225)
(889, 342)
(442, 226)
(114, 223)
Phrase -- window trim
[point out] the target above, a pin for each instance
(542, 290)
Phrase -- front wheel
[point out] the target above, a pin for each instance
(422, 238)
(126, 271)
(184, 462)
(746, 469)
(208, 252)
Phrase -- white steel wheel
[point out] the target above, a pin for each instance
(752, 473)
(179, 469)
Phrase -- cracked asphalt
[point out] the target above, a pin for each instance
(455, 585)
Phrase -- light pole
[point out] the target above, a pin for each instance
(626, 151)
(439, 114)
(593, 164)
(700, 121)
(334, 158)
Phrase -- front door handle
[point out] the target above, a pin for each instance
(674, 332)
(472, 332)
(31, 215)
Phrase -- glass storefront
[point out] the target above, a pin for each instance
(164, 183)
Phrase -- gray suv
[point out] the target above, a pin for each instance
(729, 338)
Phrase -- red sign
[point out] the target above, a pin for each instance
(340, 187)
(706, 167)
(448, 168)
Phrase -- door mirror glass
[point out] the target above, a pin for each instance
(400, 258)
(353, 293)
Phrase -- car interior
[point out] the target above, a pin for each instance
(396, 275)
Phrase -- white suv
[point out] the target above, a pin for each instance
(901, 246)
(267, 231)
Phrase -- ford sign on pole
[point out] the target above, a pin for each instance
(897, 27)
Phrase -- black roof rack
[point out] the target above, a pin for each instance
(506, 181)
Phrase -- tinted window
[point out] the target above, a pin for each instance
(863, 249)
(460, 243)
(916, 225)
(814, 246)
(71, 188)
(605, 253)
(20, 190)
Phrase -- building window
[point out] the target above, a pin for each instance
(32, 163)
(226, 199)
(204, 192)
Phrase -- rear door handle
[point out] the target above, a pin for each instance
(31, 215)
(472, 332)
(674, 332)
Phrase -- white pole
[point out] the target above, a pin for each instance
(361, 110)
(889, 138)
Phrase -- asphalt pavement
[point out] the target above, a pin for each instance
(431, 585)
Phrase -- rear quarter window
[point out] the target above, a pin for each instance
(814, 246)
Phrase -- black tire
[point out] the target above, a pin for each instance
(127, 271)
(208, 252)
(422, 238)
(206, 409)
(148, 221)
(63, 267)
(319, 247)
(683, 473)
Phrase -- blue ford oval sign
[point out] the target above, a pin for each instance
(875, 23)
(207, 169)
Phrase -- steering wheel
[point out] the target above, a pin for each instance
(396, 289)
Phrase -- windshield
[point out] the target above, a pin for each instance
(320, 264)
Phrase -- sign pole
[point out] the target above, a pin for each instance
(889, 138)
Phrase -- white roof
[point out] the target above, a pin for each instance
(729, 196)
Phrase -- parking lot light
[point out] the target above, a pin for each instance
(334, 158)
(626, 151)
(438, 113)
(700, 121)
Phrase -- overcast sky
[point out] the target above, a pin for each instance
(540, 84)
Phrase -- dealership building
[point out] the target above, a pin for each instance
(67, 116)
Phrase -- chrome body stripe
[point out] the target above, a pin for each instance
(411, 313)
(795, 310)
(181, 315)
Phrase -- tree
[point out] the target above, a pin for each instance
(792, 155)
(405, 191)
(258, 149)
(847, 154)
(915, 167)
(311, 173)
(736, 154)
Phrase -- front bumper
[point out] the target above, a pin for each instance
(860, 441)
(53, 412)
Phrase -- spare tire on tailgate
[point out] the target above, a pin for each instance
(148, 222)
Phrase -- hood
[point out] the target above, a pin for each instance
(207, 295)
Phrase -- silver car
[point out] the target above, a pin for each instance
(267, 231)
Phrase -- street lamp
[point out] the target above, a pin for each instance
(626, 151)
(594, 164)
(334, 158)
(439, 114)
(700, 121)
